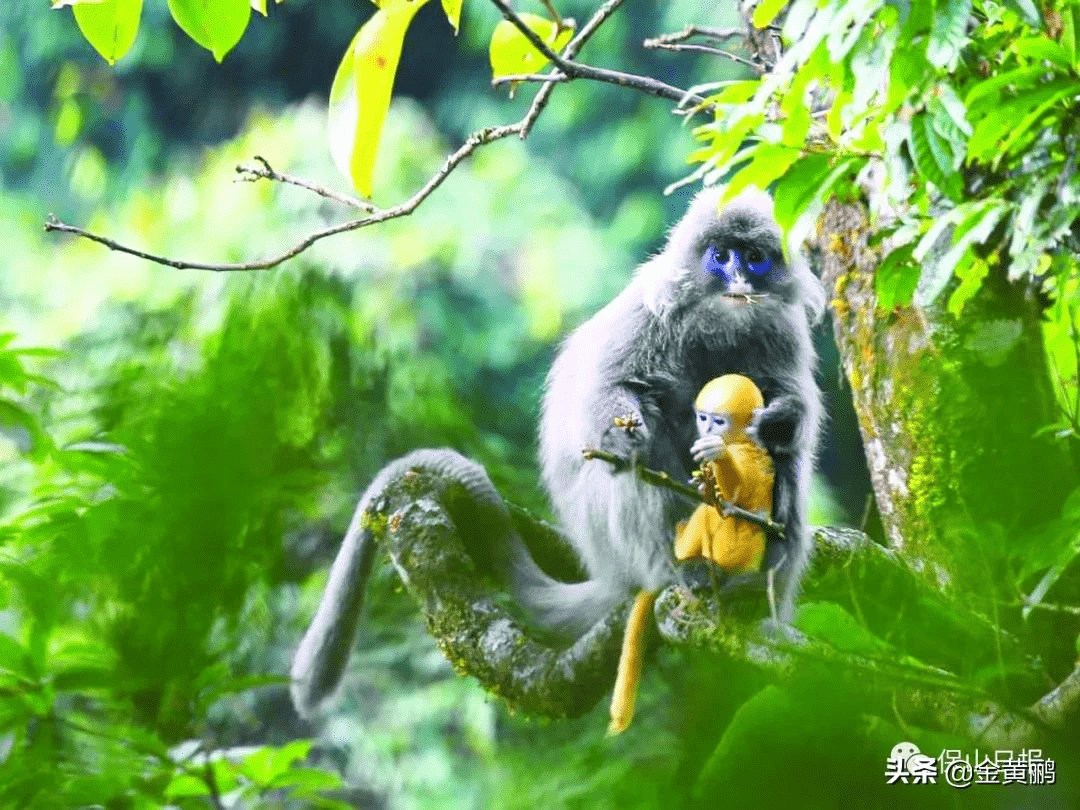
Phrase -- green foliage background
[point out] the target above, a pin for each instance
(179, 460)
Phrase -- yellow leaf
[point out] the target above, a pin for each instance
(511, 53)
(260, 6)
(360, 95)
(452, 9)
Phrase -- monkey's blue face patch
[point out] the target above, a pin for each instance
(723, 263)
(711, 263)
(761, 266)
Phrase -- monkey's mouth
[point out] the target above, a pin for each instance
(743, 298)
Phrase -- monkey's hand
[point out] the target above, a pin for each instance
(776, 426)
(626, 436)
(708, 448)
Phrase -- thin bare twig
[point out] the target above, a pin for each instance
(577, 70)
(662, 479)
(375, 215)
(734, 57)
(478, 138)
(549, 78)
(540, 100)
(720, 34)
(560, 24)
(267, 172)
(1024, 601)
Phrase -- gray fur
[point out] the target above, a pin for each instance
(647, 354)
(324, 651)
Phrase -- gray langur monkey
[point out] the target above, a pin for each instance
(719, 298)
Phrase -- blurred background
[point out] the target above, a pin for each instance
(181, 450)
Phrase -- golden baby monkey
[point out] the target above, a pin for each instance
(740, 471)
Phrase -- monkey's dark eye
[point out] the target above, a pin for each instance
(715, 261)
(757, 262)
(702, 417)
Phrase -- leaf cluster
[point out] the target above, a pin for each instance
(968, 109)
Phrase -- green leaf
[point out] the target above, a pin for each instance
(736, 92)
(933, 157)
(452, 10)
(110, 26)
(1070, 33)
(896, 279)
(798, 17)
(768, 161)
(305, 780)
(1023, 224)
(973, 230)
(971, 275)
(186, 785)
(766, 12)
(946, 100)
(1042, 48)
(14, 658)
(360, 94)
(798, 188)
(216, 25)
(1022, 129)
(1018, 79)
(1028, 10)
(974, 222)
(801, 194)
(264, 764)
(910, 70)
(1011, 119)
(511, 53)
(949, 32)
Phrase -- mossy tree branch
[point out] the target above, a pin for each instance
(442, 545)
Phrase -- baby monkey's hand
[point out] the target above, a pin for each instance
(708, 448)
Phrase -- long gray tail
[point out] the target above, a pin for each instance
(324, 651)
(568, 608)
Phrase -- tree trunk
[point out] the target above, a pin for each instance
(942, 404)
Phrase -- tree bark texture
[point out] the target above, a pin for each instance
(948, 408)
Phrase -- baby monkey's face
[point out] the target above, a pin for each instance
(713, 424)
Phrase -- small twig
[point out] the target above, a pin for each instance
(212, 784)
(577, 70)
(551, 78)
(720, 34)
(479, 138)
(571, 50)
(560, 23)
(662, 479)
(734, 57)
(1047, 606)
(867, 507)
(266, 172)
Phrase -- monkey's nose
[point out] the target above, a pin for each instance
(739, 285)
